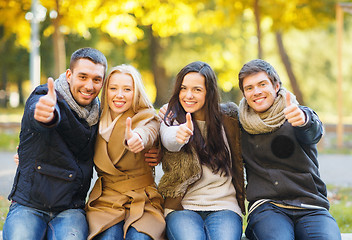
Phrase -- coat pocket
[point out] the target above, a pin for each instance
(53, 187)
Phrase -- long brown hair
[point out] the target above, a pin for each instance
(212, 151)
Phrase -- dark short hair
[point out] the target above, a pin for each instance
(91, 54)
(257, 66)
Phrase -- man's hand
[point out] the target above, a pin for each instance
(153, 156)
(133, 140)
(185, 131)
(162, 111)
(45, 107)
(293, 113)
(16, 158)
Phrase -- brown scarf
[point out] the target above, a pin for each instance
(268, 121)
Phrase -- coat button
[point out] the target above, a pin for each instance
(39, 167)
(70, 175)
(276, 183)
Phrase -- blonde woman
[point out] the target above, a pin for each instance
(124, 203)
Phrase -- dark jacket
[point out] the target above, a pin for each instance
(282, 166)
(56, 161)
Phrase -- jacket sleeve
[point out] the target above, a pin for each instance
(168, 137)
(312, 131)
(147, 126)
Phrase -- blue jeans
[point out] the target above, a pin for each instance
(272, 222)
(116, 233)
(29, 223)
(210, 225)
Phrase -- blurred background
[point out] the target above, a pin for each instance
(308, 42)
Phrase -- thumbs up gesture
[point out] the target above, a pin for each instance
(133, 140)
(185, 131)
(45, 107)
(293, 113)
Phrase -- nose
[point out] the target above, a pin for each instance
(189, 94)
(89, 85)
(119, 93)
(257, 91)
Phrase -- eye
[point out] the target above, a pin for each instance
(246, 89)
(112, 88)
(128, 89)
(82, 77)
(97, 80)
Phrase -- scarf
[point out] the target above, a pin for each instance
(106, 125)
(268, 121)
(90, 112)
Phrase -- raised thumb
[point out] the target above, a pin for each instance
(129, 133)
(51, 89)
(288, 99)
(189, 122)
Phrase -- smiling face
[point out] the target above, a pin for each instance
(259, 91)
(192, 94)
(85, 80)
(120, 93)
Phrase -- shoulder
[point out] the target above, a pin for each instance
(229, 109)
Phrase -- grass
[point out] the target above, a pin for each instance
(4, 208)
(341, 206)
(8, 141)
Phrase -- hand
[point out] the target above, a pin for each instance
(133, 139)
(185, 131)
(153, 156)
(162, 111)
(16, 159)
(45, 107)
(293, 113)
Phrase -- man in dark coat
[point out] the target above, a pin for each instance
(58, 132)
(287, 198)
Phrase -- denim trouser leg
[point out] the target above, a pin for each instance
(191, 225)
(224, 225)
(29, 223)
(24, 223)
(70, 224)
(317, 224)
(184, 225)
(267, 222)
(116, 233)
(272, 222)
(113, 233)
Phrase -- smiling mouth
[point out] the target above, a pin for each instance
(86, 94)
(190, 103)
(259, 100)
(119, 104)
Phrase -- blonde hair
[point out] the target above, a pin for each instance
(140, 98)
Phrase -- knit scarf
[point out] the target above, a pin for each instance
(268, 121)
(90, 112)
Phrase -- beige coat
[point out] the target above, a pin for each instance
(125, 189)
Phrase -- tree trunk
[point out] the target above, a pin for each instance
(3, 85)
(286, 61)
(259, 32)
(20, 91)
(59, 45)
(161, 80)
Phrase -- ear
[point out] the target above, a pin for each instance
(277, 88)
(68, 75)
